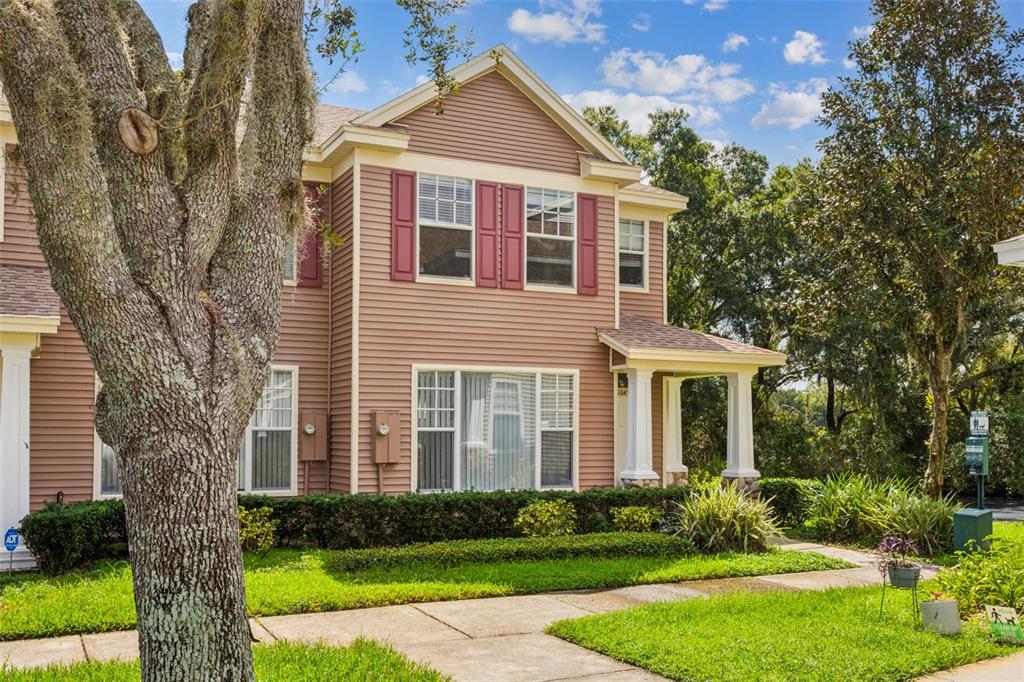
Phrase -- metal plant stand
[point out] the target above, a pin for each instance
(883, 569)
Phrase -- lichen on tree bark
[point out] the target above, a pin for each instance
(163, 233)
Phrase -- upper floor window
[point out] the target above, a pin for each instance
(446, 226)
(632, 252)
(289, 258)
(550, 237)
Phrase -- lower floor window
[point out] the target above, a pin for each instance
(494, 430)
(267, 452)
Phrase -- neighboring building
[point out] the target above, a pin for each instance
(499, 303)
(1010, 251)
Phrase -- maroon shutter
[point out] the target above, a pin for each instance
(486, 234)
(512, 256)
(586, 244)
(311, 263)
(403, 225)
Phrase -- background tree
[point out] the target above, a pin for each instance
(163, 233)
(923, 171)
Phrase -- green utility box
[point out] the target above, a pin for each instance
(976, 455)
(971, 524)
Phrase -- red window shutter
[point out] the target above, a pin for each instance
(586, 244)
(486, 234)
(311, 263)
(512, 238)
(403, 225)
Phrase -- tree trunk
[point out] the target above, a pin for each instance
(939, 373)
(830, 404)
(180, 492)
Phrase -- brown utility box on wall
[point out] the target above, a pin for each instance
(313, 446)
(387, 438)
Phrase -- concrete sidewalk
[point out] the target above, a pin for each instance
(500, 638)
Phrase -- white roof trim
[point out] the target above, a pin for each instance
(1010, 251)
(510, 66)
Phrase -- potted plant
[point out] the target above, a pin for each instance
(893, 552)
(940, 615)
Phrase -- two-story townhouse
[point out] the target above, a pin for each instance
(495, 318)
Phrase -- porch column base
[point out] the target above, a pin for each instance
(744, 481)
(677, 476)
(639, 479)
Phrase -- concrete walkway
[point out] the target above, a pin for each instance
(497, 638)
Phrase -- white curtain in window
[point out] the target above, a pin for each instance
(110, 484)
(498, 427)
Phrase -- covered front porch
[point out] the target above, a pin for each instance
(651, 360)
(28, 309)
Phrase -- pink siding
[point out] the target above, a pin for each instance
(341, 276)
(20, 245)
(402, 323)
(649, 305)
(491, 120)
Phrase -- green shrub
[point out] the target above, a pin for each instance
(258, 531)
(457, 552)
(839, 510)
(546, 519)
(65, 536)
(912, 516)
(790, 498)
(723, 519)
(635, 519)
(994, 577)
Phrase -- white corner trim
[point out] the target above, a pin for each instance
(3, 184)
(356, 258)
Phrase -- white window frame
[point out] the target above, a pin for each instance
(246, 440)
(454, 429)
(645, 254)
(498, 369)
(527, 235)
(440, 279)
(294, 369)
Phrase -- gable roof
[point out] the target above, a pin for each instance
(501, 59)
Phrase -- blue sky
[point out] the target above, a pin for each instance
(750, 71)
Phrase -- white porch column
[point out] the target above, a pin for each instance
(676, 473)
(639, 470)
(740, 442)
(14, 445)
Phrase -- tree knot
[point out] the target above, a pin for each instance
(138, 131)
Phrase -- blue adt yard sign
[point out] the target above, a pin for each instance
(11, 539)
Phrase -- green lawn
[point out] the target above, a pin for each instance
(813, 636)
(361, 660)
(295, 581)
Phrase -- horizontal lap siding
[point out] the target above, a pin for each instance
(303, 342)
(650, 305)
(406, 323)
(341, 335)
(20, 246)
(63, 390)
(492, 121)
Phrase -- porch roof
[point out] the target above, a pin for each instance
(640, 339)
(27, 301)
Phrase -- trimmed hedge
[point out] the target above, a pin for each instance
(369, 520)
(65, 536)
(790, 498)
(497, 550)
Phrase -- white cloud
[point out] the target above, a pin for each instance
(849, 63)
(568, 21)
(791, 108)
(642, 22)
(347, 83)
(176, 60)
(733, 42)
(421, 79)
(805, 48)
(715, 5)
(858, 32)
(688, 76)
(635, 108)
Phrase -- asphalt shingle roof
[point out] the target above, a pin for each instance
(635, 333)
(26, 291)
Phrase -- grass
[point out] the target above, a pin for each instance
(813, 636)
(295, 581)
(281, 662)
